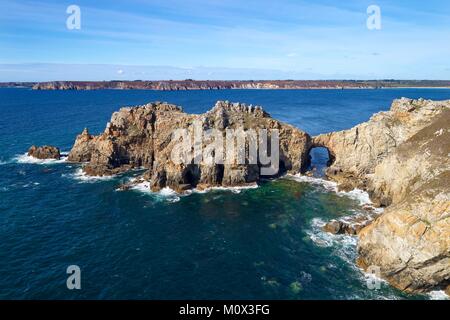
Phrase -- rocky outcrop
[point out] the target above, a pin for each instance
(410, 242)
(401, 157)
(351, 225)
(142, 137)
(44, 152)
(355, 153)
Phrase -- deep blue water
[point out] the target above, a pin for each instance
(260, 243)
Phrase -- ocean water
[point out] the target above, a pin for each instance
(260, 243)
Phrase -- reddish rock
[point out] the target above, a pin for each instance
(44, 152)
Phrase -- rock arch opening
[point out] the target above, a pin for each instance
(320, 158)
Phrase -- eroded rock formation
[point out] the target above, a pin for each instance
(356, 152)
(143, 137)
(402, 158)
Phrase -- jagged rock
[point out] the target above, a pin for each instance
(143, 137)
(411, 240)
(356, 152)
(401, 157)
(44, 152)
(334, 226)
(350, 225)
(81, 151)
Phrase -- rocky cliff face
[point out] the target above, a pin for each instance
(401, 157)
(190, 84)
(143, 137)
(356, 152)
(411, 240)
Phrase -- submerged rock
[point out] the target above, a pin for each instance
(44, 152)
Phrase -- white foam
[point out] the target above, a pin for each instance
(166, 193)
(438, 295)
(232, 189)
(171, 195)
(344, 246)
(356, 194)
(328, 185)
(84, 178)
(25, 158)
(325, 239)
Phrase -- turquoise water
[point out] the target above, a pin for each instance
(262, 243)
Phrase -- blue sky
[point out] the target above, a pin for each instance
(224, 39)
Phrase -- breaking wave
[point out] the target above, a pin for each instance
(356, 194)
(438, 295)
(231, 189)
(26, 159)
(344, 247)
(171, 195)
(166, 193)
(84, 178)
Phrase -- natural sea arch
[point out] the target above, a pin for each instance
(320, 159)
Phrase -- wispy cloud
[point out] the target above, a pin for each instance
(290, 35)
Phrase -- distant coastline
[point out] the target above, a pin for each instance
(188, 84)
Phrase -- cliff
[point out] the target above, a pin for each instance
(190, 84)
(401, 157)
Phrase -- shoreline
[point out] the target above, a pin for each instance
(224, 89)
(190, 84)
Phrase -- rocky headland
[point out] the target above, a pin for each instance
(401, 157)
(189, 84)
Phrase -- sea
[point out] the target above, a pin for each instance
(256, 243)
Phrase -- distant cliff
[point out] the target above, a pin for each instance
(173, 85)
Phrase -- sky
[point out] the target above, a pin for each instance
(224, 39)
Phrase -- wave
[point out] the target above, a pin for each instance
(171, 195)
(232, 189)
(166, 193)
(346, 243)
(438, 295)
(84, 178)
(356, 194)
(344, 247)
(26, 159)
(326, 184)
